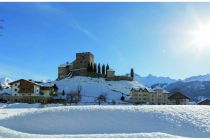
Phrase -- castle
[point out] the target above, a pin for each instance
(76, 68)
(79, 67)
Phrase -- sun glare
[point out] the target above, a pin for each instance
(201, 37)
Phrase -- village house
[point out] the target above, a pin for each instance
(28, 91)
(110, 73)
(24, 88)
(157, 96)
(204, 102)
(139, 96)
(177, 98)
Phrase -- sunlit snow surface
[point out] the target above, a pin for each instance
(24, 120)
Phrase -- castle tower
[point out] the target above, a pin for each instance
(78, 67)
(82, 60)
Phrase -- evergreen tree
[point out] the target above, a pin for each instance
(55, 87)
(107, 67)
(63, 93)
(132, 73)
(99, 69)
(103, 69)
(1, 87)
(95, 68)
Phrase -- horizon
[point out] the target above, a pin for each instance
(162, 39)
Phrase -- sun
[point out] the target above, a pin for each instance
(201, 36)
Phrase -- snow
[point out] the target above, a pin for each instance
(158, 88)
(64, 65)
(5, 81)
(110, 69)
(198, 78)
(93, 87)
(105, 121)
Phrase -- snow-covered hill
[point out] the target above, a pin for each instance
(106, 121)
(93, 87)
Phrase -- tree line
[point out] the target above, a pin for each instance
(97, 69)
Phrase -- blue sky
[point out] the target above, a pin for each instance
(153, 38)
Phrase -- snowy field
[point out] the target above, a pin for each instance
(24, 120)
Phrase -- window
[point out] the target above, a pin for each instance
(15, 89)
(15, 84)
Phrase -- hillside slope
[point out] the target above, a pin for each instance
(93, 87)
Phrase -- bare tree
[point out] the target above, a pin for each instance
(113, 102)
(79, 89)
(74, 96)
(101, 98)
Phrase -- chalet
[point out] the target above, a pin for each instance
(204, 102)
(178, 98)
(24, 87)
(30, 92)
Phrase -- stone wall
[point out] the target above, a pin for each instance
(118, 78)
(62, 71)
(26, 99)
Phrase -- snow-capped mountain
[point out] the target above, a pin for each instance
(5, 81)
(193, 89)
(152, 80)
(198, 78)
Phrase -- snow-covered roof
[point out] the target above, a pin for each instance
(145, 89)
(64, 65)
(110, 69)
(158, 88)
(25, 80)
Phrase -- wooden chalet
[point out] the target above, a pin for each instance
(178, 98)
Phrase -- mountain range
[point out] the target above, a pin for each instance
(195, 87)
(151, 80)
